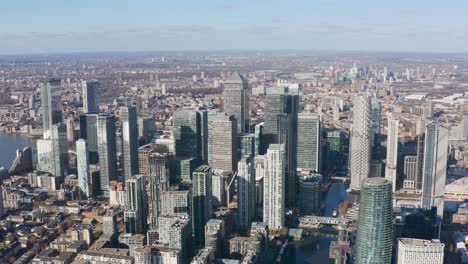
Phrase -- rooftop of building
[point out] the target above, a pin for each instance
(421, 242)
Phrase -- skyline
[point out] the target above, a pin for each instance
(416, 26)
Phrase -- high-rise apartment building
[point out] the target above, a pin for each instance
(82, 164)
(88, 132)
(60, 149)
(214, 235)
(309, 146)
(419, 251)
(245, 192)
(435, 167)
(129, 119)
(361, 141)
(90, 96)
(274, 187)
(107, 152)
(374, 235)
(136, 212)
(51, 100)
(392, 152)
(375, 119)
(236, 100)
(222, 141)
(201, 201)
(158, 182)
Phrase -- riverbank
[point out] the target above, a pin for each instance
(9, 143)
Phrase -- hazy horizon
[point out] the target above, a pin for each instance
(54, 26)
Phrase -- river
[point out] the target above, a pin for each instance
(9, 143)
(315, 247)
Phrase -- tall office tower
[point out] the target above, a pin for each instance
(203, 136)
(429, 109)
(218, 194)
(420, 251)
(274, 187)
(51, 105)
(60, 149)
(421, 141)
(88, 132)
(45, 157)
(285, 136)
(247, 146)
(374, 237)
(392, 152)
(279, 101)
(186, 130)
(201, 201)
(128, 116)
(222, 141)
(309, 142)
(260, 146)
(310, 193)
(236, 100)
(410, 169)
(435, 167)
(360, 144)
(146, 128)
(214, 236)
(260, 167)
(375, 119)
(158, 182)
(245, 192)
(135, 213)
(70, 130)
(90, 96)
(82, 161)
(107, 151)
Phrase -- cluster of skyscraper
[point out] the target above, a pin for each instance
(271, 165)
(415, 167)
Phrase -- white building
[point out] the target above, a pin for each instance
(274, 187)
(361, 141)
(435, 167)
(82, 160)
(392, 152)
(419, 251)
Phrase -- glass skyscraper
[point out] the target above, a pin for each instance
(435, 167)
(309, 142)
(129, 119)
(90, 96)
(236, 100)
(186, 130)
(107, 151)
(51, 105)
(374, 238)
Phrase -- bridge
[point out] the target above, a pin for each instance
(315, 221)
(338, 178)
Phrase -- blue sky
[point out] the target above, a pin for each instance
(37, 26)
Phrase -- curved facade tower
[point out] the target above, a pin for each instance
(361, 141)
(374, 238)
